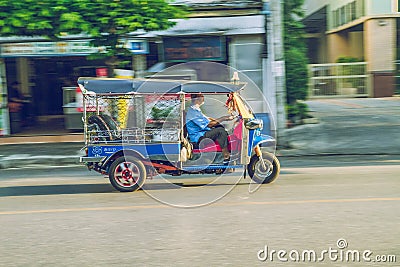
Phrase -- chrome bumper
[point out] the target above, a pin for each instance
(91, 159)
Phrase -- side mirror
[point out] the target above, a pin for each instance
(253, 124)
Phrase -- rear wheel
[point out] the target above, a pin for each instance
(264, 173)
(127, 174)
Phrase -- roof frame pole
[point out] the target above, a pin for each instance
(182, 98)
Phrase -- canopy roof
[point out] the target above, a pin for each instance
(152, 86)
(219, 26)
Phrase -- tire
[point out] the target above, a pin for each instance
(260, 176)
(127, 174)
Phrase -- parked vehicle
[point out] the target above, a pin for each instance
(135, 129)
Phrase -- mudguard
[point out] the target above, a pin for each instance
(257, 138)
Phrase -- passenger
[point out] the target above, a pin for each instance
(200, 126)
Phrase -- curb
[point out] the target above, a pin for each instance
(298, 153)
(41, 139)
(21, 160)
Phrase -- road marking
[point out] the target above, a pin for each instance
(161, 206)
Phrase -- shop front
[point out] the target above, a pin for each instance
(41, 69)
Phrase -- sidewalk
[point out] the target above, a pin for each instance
(52, 150)
(357, 126)
(346, 127)
(40, 139)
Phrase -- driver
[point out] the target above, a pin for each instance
(200, 126)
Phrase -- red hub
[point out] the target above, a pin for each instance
(126, 174)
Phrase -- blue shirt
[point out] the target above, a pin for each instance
(196, 123)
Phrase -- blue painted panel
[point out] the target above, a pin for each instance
(265, 117)
(255, 138)
(144, 149)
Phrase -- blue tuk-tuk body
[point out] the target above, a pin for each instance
(135, 129)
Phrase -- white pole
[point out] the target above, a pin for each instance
(279, 66)
(273, 65)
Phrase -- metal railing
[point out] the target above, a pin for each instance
(338, 80)
(397, 77)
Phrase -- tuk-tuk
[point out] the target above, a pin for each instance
(136, 128)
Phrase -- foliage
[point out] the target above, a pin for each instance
(294, 28)
(161, 113)
(297, 111)
(165, 110)
(346, 59)
(295, 52)
(296, 75)
(105, 21)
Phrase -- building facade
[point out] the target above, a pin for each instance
(367, 30)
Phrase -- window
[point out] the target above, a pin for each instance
(342, 16)
(360, 8)
(334, 18)
(353, 10)
(348, 13)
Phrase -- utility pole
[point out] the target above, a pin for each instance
(279, 65)
(274, 64)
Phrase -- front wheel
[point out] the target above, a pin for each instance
(127, 174)
(264, 174)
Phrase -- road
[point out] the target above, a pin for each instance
(71, 217)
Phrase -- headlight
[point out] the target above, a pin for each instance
(253, 124)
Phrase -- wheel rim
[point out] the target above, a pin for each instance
(262, 172)
(127, 174)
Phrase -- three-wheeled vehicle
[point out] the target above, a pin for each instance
(135, 128)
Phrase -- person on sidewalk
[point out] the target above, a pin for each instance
(18, 103)
(200, 126)
(14, 98)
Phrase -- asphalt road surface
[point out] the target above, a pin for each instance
(322, 211)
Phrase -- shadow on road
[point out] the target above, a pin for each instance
(71, 189)
(55, 189)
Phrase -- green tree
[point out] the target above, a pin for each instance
(295, 60)
(105, 21)
(295, 52)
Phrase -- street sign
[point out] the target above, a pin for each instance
(35, 49)
(137, 46)
(203, 48)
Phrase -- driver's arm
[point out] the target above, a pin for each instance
(214, 122)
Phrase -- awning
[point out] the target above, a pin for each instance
(222, 26)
